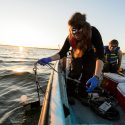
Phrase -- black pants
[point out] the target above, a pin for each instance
(110, 68)
(84, 66)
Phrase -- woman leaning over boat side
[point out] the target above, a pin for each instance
(87, 64)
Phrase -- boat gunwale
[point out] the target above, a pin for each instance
(45, 110)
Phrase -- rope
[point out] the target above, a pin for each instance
(36, 81)
(67, 77)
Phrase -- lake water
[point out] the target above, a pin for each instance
(16, 79)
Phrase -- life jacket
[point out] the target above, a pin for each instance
(76, 52)
(77, 59)
(73, 43)
(111, 57)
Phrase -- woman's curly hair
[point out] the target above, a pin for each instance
(78, 20)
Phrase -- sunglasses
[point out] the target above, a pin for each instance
(114, 46)
(76, 30)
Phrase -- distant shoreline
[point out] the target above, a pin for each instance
(28, 47)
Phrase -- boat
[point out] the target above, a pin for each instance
(57, 111)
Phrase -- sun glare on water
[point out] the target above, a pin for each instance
(21, 49)
(19, 70)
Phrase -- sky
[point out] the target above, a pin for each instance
(43, 23)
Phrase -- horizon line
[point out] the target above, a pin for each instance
(28, 46)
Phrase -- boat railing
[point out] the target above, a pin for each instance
(43, 120)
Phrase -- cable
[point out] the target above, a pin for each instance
(67, 77)
(37, 83)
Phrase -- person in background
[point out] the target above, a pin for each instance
(113, 57)
(86, 65)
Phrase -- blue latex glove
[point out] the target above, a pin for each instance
(92, 84)
(44, 61)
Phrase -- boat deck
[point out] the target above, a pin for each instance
(83, 114)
